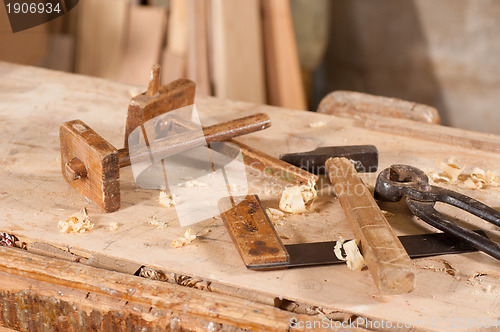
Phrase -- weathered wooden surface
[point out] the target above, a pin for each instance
(385, 256)
(34, 197)
(37, 293)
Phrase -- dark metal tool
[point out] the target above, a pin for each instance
(363, 157)
(261, 248)
(399, 181)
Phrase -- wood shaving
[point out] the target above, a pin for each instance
(354, 259)
(308, 192)
(113, 226)
(167, 200)
(450, 169)
(338, 249)
(317, 124)
(293, 199)
(492, 179)
(154, 221)
(78, 222)
(480, 178)
(276, 216)
(183, 240)
(192, 183)
(471, 184)
(451, 172)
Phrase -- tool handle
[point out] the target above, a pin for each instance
(237, 127)
(385, 256)
(172, 144)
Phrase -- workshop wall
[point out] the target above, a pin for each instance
(442, 53)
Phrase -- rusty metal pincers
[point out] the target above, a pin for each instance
(400, 181)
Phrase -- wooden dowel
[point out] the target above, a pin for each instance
(173, 144)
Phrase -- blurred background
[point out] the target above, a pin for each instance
(288, 53)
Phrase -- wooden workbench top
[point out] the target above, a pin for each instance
(34, 102)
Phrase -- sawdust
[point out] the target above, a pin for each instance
(167, 200)
(183, 240)
(154, 221)
(78, 222)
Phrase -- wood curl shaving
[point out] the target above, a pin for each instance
(154, 221)
(167, 200)
(317, 124)
(354, 259)
(293, 199)
(183, 240)
(451, 172)
(78, 222)
(479, 179)
(276, 216)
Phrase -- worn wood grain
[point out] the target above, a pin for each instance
(385, 256)
(363, 105)
(37, 292)
(431, 133)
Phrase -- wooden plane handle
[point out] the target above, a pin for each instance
(252, 232)
(385, 256)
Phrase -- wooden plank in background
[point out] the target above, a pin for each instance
(145, 35)
(284, 81)
(174, 58)
(27, 47)
(197, 68)
(101, 36)
(237, 52)
(61, 52)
